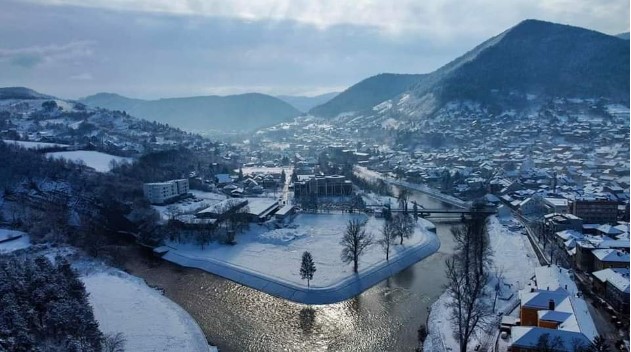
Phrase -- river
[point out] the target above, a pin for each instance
(237, 318)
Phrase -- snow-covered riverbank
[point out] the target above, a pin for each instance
(514, 258)
(148, 320)
(269, 259)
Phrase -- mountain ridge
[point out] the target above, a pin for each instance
(247, 112)
(366, 93)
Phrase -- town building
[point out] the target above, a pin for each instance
(596, 210)
(164, 192)
(613, 285)
(323, 186)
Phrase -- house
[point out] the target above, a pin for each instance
(529, 339)
(223, 180)
(610, 258)
(556, 205)
(556, 222)
(223, 209)
(164, 192)
(613, 285)
(552, 310)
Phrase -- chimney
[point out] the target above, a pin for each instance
(551, 304)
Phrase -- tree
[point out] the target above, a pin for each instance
(402, 198)
(49, 105)
(403, 226)
(114, 343)
(544, 344)
(283, 177)
(307, 268)
(354, 242)
(387, 236)
(599, 345)
(469, 310)
(467, 276)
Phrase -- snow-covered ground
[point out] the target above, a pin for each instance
(514, 257)
(148, 320)
(34, 145)
(96, 160)
(269, 259)
(123, 303)
(13, 245)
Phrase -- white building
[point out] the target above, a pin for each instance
(162, 192)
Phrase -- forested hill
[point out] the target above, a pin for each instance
(244, 112)
(366, 94)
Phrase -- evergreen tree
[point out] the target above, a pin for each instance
(307, 268)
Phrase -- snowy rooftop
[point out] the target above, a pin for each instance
(618, 277)
(553, 277)
(611, 255)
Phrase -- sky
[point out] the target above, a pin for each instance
(173, 48)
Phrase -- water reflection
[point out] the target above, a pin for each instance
(307, 318)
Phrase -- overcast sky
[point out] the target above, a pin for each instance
(169, 48)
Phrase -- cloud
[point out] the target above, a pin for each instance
(445, 18)
(35, 55)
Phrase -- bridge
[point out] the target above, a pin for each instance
(424, 212)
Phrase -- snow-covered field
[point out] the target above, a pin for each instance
(34, 145)
(269, 259)
(13, 245)
(96, 160)
(514, 257)
(148, 320)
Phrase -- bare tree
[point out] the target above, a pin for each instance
(387, 237)
(545, 344)
(307, 267)
(598, 345)
(469, 311)
(354, 242)
(403, 226)
(402, 198)
(467, 276)
(114, 343)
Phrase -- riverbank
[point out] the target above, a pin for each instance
(148, 321)
(513, 265)
(269, 261)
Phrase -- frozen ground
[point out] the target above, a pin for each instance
(514, 257)
(96, 160)
(148, 320)
(269, 259)
(13, 245)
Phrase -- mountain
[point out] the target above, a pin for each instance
(623, 35)
(532, 59)
(304, 103)
(366, 94)
(21, 93)
(244, 112)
